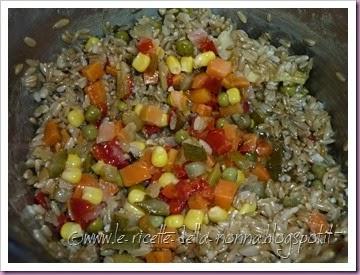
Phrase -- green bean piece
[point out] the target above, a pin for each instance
(193, 152)
(214, 175)
(156, 221)
(154, 207)
(256, 118)
(111, 174)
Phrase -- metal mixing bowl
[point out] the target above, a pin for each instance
(328, 27)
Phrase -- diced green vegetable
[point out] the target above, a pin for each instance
(241, 161)
(118, 222)
(181, 135)
(242, 121)
(256, 118)
(193, 152)
(154, 207)
(111, 174)
(288, 90)
(121, 105)
(156, 221)
(215, 175)
(57, 164)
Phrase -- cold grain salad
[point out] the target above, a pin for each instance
(180, 124)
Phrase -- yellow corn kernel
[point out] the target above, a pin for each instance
(138, 108)
(160, 52)
(76, 117)
(98, 167)
(187, 64)
(247, 208)
(159, 157)
(217, 214)
(164, 120)
(240, 179)
(173, 64)
(167, 178)
(71, 230)
(72, 175)
(92, 194)
(141, 62)
(137, 187)
(92, 41)
(136, 195)
(73, 161)
(193, 218)
(233, 95)
(139, 145)
(203, 59)
(174, 221)
(133, 210)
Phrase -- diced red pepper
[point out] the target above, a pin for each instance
(217, 140)
(206, 45)
(110, 152)
(145, 45)
(180, 172)
(41, 199)
(176, 206)
(82, 211)
(213, 85)
(169, 191)
(149, 130)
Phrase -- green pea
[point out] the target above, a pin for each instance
(223, 100)
(90, 132)
(318, 170)
(156, 221)
(184, 47)
(230, 174)
(123, 35)
(220, 122)
(121, 105)
(92, 114)
(95, 226)
(181, 135)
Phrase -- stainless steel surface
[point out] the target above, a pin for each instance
(328, 27)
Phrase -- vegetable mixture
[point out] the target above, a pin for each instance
(178, 163)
